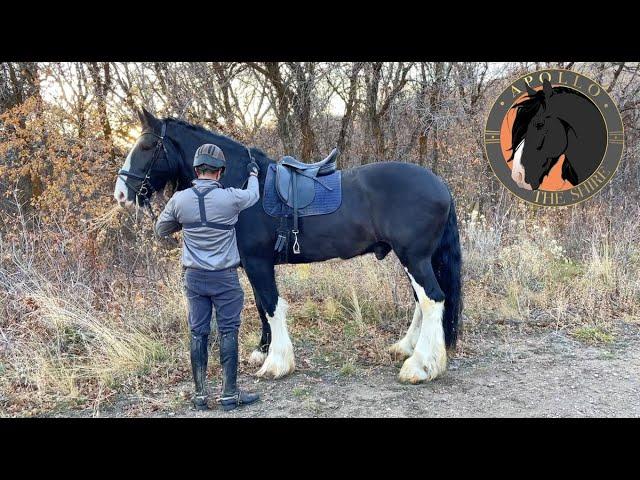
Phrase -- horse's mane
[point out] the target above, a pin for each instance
(527, 109)
(205, 131)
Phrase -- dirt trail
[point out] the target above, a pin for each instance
(507, 373)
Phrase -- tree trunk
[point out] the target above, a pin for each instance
(224, 83)
(282, 108)
(374, 132)
(101, 78)
(303, 108)
(344, 137)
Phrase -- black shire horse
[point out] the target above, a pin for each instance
(385, 206)
(551, 122)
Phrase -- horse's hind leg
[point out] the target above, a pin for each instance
(405, 346)
(429, 357)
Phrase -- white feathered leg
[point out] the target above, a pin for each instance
(404, 347)
(280, 360)
(429, 358)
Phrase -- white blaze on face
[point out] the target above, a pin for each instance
(121, 191)
(280, 360)
(517, 172)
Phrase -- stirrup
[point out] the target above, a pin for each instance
(296, 245)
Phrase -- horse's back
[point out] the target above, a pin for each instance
(404, 182)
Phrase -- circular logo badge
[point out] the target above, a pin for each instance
(554, 137)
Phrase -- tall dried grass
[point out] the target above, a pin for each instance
(77, 330)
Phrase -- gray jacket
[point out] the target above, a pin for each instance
(204, 247)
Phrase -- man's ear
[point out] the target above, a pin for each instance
(149, 121)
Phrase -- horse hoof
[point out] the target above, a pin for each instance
(257, 358)
(400, 350)
(417, 370)
(277, 365)
(412, 372)
(273, 372)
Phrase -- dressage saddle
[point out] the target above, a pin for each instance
(326, 166)
(295, 184)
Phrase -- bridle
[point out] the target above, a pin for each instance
(145, 187)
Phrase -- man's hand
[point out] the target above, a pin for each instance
(253, 168)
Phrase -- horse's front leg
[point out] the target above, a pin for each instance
(280, 360)
(258, 356)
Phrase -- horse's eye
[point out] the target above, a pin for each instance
(539, 125)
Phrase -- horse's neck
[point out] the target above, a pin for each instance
(185, 170)
(189, 141)
(262, 160)
(583, 115)
(581, 136)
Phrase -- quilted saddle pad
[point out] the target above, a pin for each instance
(325, 200)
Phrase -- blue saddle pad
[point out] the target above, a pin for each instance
(326, 201)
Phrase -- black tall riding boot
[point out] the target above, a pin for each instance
(231, 396)
(199, 357)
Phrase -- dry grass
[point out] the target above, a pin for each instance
(73, 336)
(525, 273)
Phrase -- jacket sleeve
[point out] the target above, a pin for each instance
(167, 221)
(246, 198)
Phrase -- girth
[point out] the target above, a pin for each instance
(203, 214)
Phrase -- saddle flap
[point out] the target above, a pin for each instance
(305, 186)
(283, 181)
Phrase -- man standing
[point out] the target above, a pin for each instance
(207, 213)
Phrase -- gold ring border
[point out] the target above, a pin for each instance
(515, 79)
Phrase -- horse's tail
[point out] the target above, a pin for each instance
(447, 265)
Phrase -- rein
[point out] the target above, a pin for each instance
(250, 160)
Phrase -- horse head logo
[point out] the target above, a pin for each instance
(552, 122)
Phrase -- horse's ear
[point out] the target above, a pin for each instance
(148, 120)
(547, 88)
(530, 91)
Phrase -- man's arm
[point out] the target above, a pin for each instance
(167, 222)
(249, 196)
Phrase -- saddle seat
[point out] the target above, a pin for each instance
(325, 167)
(295, 180)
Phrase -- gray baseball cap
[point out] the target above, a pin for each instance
(211, 155)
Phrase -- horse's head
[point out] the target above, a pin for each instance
(164, 154)
(147, 168)
(539, 137)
